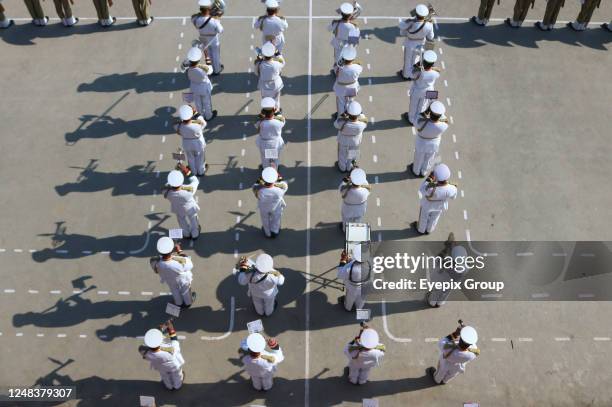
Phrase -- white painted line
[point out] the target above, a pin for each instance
(376, 179)
(448, 102)
(242, 152)
(563, 339)
(379, 221)
(33, 291)
(377, 201)
(175, 70)
(525, 339)
(61, 335)
(413, 131)
(182, 35)
(369, 81)
(308, 207)
(231, 325)
(432, 339)
(171, 95)
(61, 251)
(77, 291)
(540, 295)
(9, 290)
(440, 51)
(40, 335)
(240, 203)
(82, 336)
(386, 326)
(587, 254)
(456, 155)
(17, 250)
(445, 83)
(459, 174)
(375, 158)
(177, 58)
(465, 215)
(184, 20)
(452, 120)
(146, 293)
(601, 338)
(559, 254)
(498, 339)
(237, 236)
(102, 292)
(163, 139)
(443, 65)
(454, 138)
(372, 120)
(86, 251)
(370, 98)
(462, 194)
(523, 254)
(55, 292)
(379, 236)
(2, 250)
(373, 139)
(235, 253)
(365, 20)
(19, 334)
(369, 66)
(240, 186)
(368, 51)
(123, 293)
(586, 295)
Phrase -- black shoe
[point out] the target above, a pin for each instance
(273, 235)
(570, 25)
(194, 295)
(275, 305)
(604, 26)
(334, 116)
(220, 70)
(538, 24)
(341, 227)
(430, 372)
(114, 21)
(152, 19)
(199, 231)
(508, 22)
(473, 19)
(214, 114)
(341, 300)
(400, 73)
(280, 111)
(11, 23)
(406, 117)
(264, 232)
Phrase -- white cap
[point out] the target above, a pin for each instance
(269, 175)
(356, 255)
(430, 56)
(349, 53)
(346, 8)
(205, 3)
(268, 49)
(437, 107)
(264, 263)
(442, 172)
(358, 177)
(194, 54)
(369, 338)
(256, 342)
(165, 245)
(469, 335)
(268, 103)
(153, 338)
(272, 4)
(422, 10)
(185, 112)
(175, 178)
(354, 108)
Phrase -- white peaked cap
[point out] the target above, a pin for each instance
(175, 178)
(369, 338)
(185, 112)
(153, 338)
(430, 56)
(422, 10)
(354, 108)
(356, 255)
(268, 103)
(264, 263)
(442, 172)
(346, 8)
(349, 53)
(194, 54)
(268, 49)
(269, 175)
(358, 177)
(469, 335)
(165, 245)
(437, 107)
(256, 342)
(205, 3)
(272, 4)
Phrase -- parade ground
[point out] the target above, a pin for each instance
(87, 134)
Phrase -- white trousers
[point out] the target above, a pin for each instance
(173, 380)
(444, 373)
(428, 219)
(341, 102)
(344, 160)
(271, 220)
(181, 294)
(265, 305)
(264, 382)
(423, 162)
(353, 297)
(214, 53)
(418, 104)
(189, 224)
(358, 375)
(203, 104)
(196, 157)
(412, 50)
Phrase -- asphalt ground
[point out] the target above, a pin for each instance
(87, 142)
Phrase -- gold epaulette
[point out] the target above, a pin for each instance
(188, 188)
(280, 117)
(356, 62)
(179, 259)
(269, 358)
(435, 68)
(169, 350)
(381, 347)
(363, 120)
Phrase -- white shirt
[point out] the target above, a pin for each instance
(269, 74)
(270, 198)
(210, 32)
(182, 201)
(457, 359)
(261, 285)
(365, 359)
(411, 25)
(436, 198)
(198, 78)
(164, 361)
(425, 81)
(353, 277)
(174, 273)
(348, 74)
(341, 30)
(271, 25)
(190, 130)
(259, 367)
(355, 196)
(350, 132)
(270, 128)
(430, 130)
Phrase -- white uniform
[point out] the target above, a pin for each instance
(418, 103)
(346, 78)
(354, 203)
(176, 272)
(271, 205)
(202, 90)
(415, 32)
(427, 145)
(355, 276)
(263, 288)
(262, 371)
(270, 138)
(210, 29)
(360, 362)
(349, 138)
(169, 365)
(272, 28)
(452, 361)
(270, 82)
(184, 205)
(194, 144)
(434, 201)
(341, 30)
